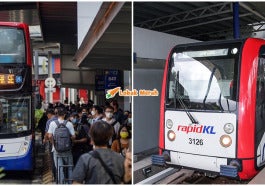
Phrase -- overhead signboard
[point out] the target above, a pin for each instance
(111, 79)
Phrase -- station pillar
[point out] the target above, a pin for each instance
(50, 93)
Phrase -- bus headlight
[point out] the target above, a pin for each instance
(25, 145)
(225, 140)
(228, 128)
(171, 135)
(169, 123)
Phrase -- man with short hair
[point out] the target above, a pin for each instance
(109, 118)
(118, 113)
(51, 117)
(97, 113)
(62, 158)
(89, 168)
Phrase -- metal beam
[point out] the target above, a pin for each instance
(198, 13)
(245, 30)
(252, 11)
(205, 23)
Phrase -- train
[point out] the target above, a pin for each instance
(17, 137)
(212, 108)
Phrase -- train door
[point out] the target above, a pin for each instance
(260, 110)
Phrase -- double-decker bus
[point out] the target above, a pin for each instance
(212, 114)
(16, 98)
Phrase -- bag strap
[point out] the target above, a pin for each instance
(65, 122)
(96, 155)
(114, 123)
(58, 123)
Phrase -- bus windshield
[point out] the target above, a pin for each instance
(15, 114)
(204, 78)
(12, 45)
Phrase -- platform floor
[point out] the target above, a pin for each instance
(142, 163)
(259, 178)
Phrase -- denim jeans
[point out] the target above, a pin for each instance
(61, 159)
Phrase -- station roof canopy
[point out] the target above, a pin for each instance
(53, 27)
(108, 41)
(57, 22)
(199, 20)
(49, 22)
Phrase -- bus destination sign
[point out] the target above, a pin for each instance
(9, 79)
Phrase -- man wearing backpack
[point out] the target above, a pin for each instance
(62, 132)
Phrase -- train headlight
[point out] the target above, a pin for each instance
(169, 123)
(171, 135)
(225, 140)
(228, 128)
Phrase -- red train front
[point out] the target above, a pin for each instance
(212, 114)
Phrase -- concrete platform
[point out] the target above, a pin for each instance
(259, 178)
(143, 163)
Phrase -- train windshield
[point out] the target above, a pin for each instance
(15, 114)
(12, 45)
(204, 78)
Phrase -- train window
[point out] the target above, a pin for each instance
(260, 97)
(203, 80)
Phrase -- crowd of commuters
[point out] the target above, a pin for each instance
(100, 142)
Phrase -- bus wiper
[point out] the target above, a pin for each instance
(209, 85)
(178, 97)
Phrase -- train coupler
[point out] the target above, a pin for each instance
(229, 171)
(158, 160)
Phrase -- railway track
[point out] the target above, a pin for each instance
(186, 176)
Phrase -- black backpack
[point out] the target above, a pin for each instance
(62, 137)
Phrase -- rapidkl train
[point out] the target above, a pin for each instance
(212, 115)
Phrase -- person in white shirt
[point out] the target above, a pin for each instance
(62, 158)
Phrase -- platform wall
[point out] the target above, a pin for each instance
(151, 50)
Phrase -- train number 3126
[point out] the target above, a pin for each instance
(195, 141)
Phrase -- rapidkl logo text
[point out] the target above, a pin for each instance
(197, 129)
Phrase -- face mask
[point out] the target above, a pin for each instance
(108, 114)
(74, 120)
(129, 120)
(124, 134)
(90, 120)
(93, 113)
